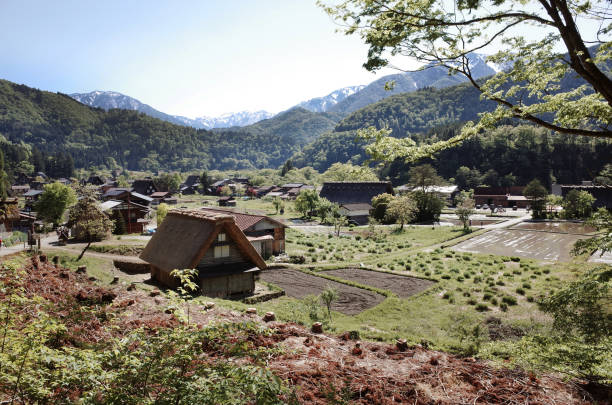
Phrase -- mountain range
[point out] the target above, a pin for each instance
(343, 101)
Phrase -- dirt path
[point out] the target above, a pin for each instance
(351, 300)
(403, 286)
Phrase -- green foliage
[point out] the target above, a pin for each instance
(54, 201)
(328, 296)
(578, 204)
(380, 204)
(306, 202)
(120, 227)
(536, 194)
(162, 211)
(348, 172)
(580, 342)
(429, 206)
(464, 210)
(89, 224)
(402, 209)
(533, 85)
(602, 221)
(168, 182)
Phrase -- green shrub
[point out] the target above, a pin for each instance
(493, 301)
(487, 296)
(509, 300)
(520, 291)
(503, 306)
(527, 286)
(515, 259)
(471, 301)
(446, 277)
(482, 307)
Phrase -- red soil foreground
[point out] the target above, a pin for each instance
(320, 367)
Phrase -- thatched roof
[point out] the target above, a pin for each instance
(9, 209)
(183, 238)
(243, 221)
(354, 192)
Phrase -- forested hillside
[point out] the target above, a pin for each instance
(56, 123)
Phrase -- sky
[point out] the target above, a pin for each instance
(190, 58)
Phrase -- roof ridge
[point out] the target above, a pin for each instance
(197, 214)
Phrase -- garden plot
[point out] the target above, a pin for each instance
(403, 286)
(531, 244)
(351, 300)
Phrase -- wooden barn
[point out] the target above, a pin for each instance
(265, 234)
(213, 244)
(507, 197)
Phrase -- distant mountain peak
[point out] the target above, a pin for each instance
(112, 99)
(323, 104)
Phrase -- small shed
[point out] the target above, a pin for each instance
(209, 242)
(226, 201)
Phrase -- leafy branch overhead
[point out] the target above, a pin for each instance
(531, 82)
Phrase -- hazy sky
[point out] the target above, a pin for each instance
(191, 58)
(187, 57)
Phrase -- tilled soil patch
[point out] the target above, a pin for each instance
(403, 286)
(351, 300)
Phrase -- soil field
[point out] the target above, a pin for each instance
(574, 228)
(529, 244)
(351, 300)
(403, 286)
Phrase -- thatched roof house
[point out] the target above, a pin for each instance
(357, 192)
(209, 242)
(9, 214)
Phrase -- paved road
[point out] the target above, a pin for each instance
(19, 247)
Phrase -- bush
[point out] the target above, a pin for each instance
(493, 301)
(503, 307)
(446, 277)
(297, 259)
(520, 291)
(527, 286)
(515, 259)
(482, 307)
(508, 299)
(530, 298)
(487, 296)
(471, 301)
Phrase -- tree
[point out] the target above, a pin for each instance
(168, 182)
(120, 226)
(162, 211)
(306, 202)
(277, 203)
(89, 224)
(328, 296)
(424, 177)
(226, 191)
(325, 208)
(380, 203)
(349, 172)
(578, 204)
(605, 176)
(288, 166)
(204, 182)
(536, 194)
(580, 341)
(464, 210)
(445, 34)
(467, 178)
(602, 221)
(54, 201)
(402, 209)
(429, 206)
(491, 178)
(337, 220)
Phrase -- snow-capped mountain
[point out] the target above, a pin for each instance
(112, 99)
(433, 76)
(239, 119)
(323, 104)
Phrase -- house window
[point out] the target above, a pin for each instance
(221, 237)
(222, 251)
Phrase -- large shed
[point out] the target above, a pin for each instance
(357, 192)
(209, 242)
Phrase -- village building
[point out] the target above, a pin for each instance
(144, 187)
(191, 186)
(19, 189)
(260, 192)
(265, 234)
(507, 197)
(31, 197)
(213, 244)
(159, 196)
(133, 207)
(446, 193)
(355, 198)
